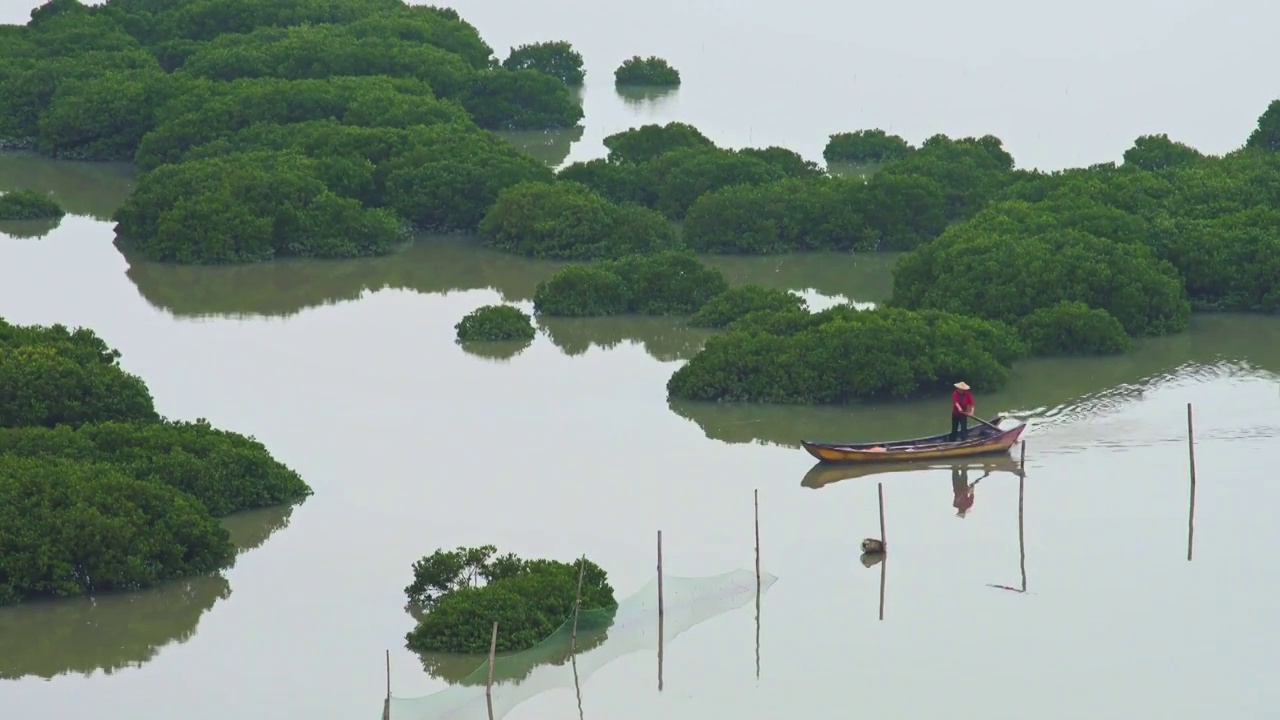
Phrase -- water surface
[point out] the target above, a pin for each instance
(349, 373)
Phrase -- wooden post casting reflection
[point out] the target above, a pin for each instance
(1022, 543)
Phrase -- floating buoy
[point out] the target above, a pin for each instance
(872, 546)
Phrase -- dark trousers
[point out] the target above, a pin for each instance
(959, 426)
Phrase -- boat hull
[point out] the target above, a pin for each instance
(978, 441)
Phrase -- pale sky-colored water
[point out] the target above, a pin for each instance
(412, 444)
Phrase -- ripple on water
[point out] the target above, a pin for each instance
(1108, 418)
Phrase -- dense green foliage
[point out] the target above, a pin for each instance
(73, 528)
(29, 205)
(738, 302)
(51, 376)
(384, 102)
(212, 111)
(464, 591)
(555, 58)
(890, 212)
(983, 269)
(581, 291)
(842, 354)
(225, 471)
(1158, 152)
(254, 206)
(568, 221)
(652, 71)
(642, 144)
(1073, 328)
(494, 323)
(1266, 136)
(668, 168)
(865, 146)
(97, 491)
(971, 171)
(672, 282)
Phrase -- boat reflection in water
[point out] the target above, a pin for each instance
(823, 474)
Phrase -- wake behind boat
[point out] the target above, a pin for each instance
(984, 439)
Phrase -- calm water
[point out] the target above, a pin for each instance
(349, 373)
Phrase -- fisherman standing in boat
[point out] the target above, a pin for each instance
(961, 409)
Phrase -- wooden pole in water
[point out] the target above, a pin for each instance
(493, 649)
(757, 508)
(757, 504)
(884, 562)
(386, 704)
(1022, 546)
(577, 605)
(660, 618)
(1191, 511)
(1022, 456)
(880, 489)
(659, 575)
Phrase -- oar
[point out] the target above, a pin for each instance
(984, 422)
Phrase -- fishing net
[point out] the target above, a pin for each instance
(602, 637)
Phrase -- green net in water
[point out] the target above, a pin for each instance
(603, 636)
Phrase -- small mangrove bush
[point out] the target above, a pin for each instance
(672, 282)
(651, 71)
(493, 323)
(460, 594)
(29, 205)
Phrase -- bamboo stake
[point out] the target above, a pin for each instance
(757, 509)
(1022, 456)
(577, 686)
(884, 562)
(1191, 509)
(880, 489)
(493, 649)
(386, 703)
(757, 504)
(1022, 546)
(660, 617)
(577, 605)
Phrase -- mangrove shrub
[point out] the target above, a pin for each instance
(225, 471)
(672, 282)
(52, 384)
(652, 71)
(1004, 265)
(29, 205)
(529, 599)
(495, 323)
(250, 207)
(677, 178)
(1073, 328)
(1266, 136)
(581, 291)
(823, 213)
(555, 58)
(865, 146)
(74, 528)
(841, 355)
(1158, 152)
(736, 303)
(641, 144)
(566, 220)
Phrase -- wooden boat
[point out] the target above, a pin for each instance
(979, 439)
(823, 474)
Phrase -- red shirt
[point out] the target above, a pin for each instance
(964, 399)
